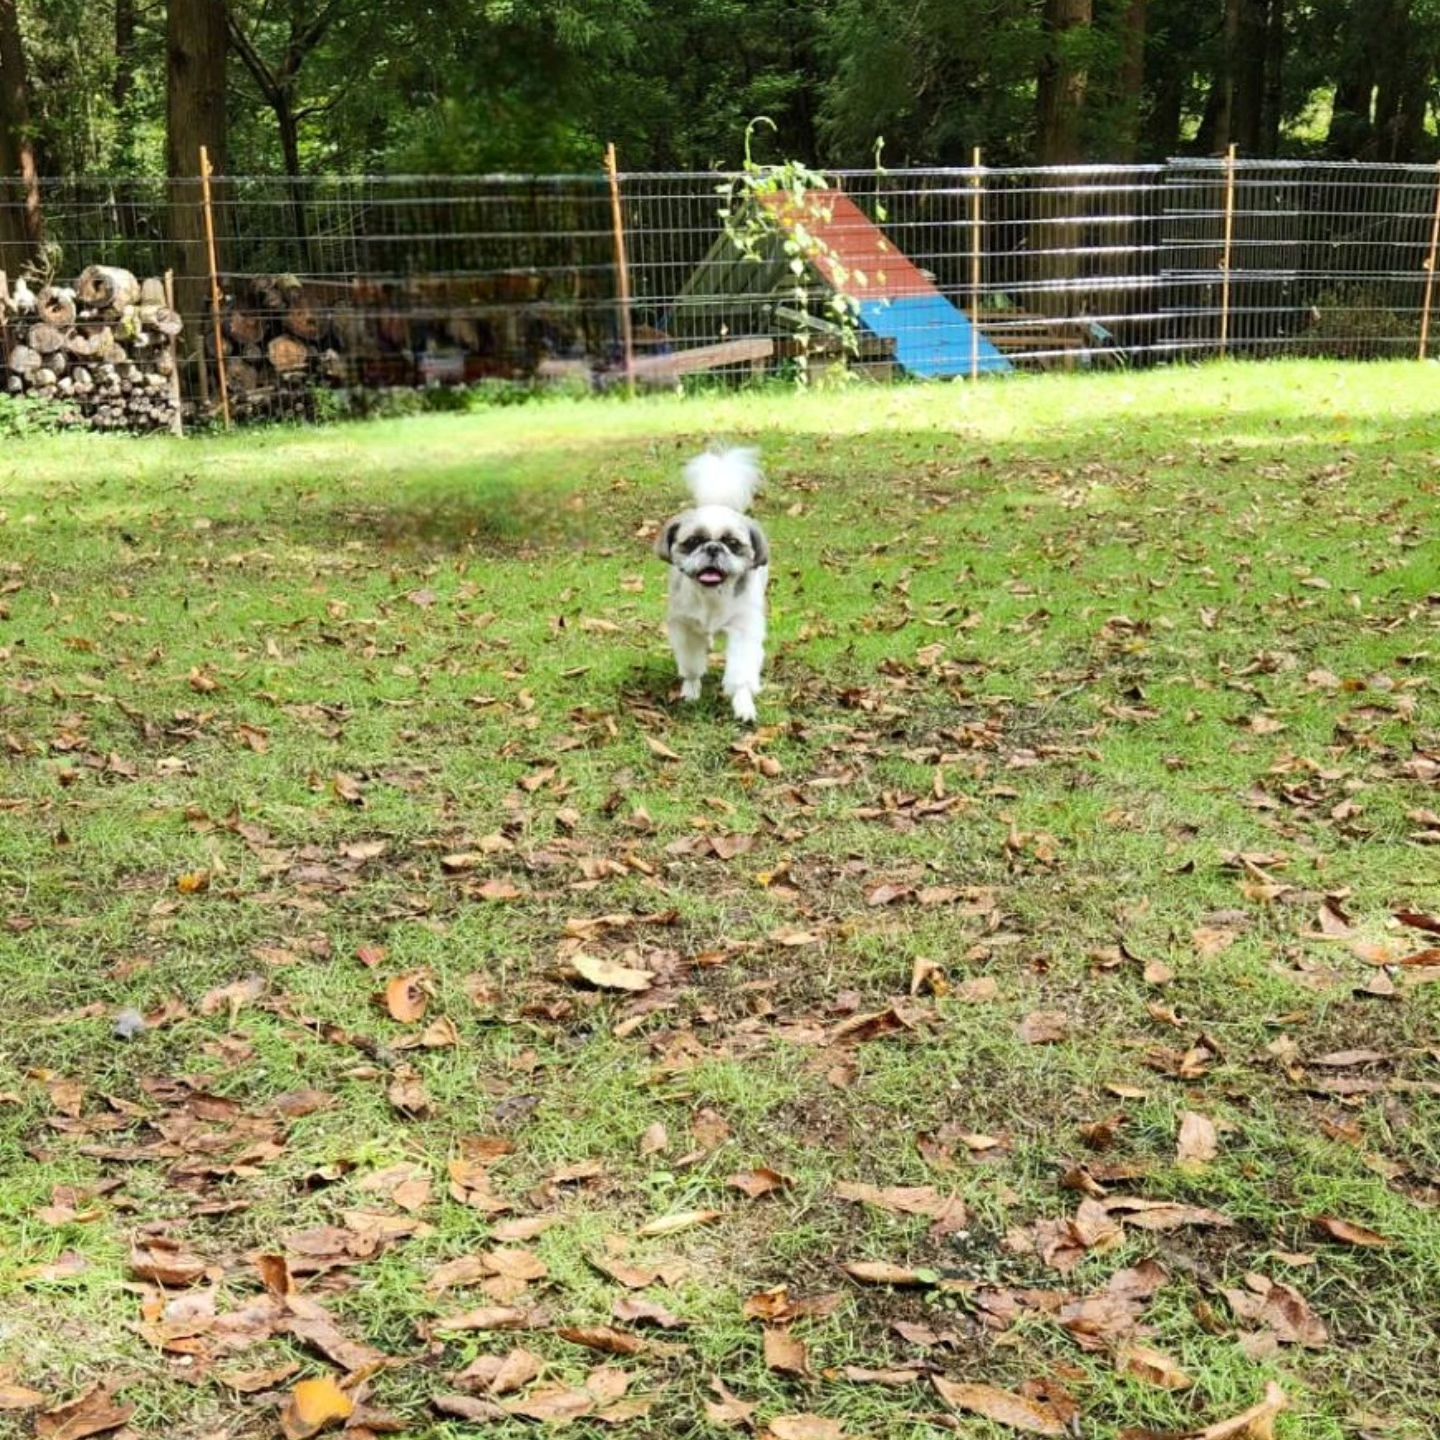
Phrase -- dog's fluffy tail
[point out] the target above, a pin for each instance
(729, 478)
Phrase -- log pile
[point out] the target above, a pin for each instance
(277, 344)
(103, 348)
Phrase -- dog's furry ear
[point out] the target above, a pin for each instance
(665, 541)
(760, 545)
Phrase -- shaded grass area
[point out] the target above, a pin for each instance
(1086, 694)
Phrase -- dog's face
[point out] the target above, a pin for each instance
(713, 545)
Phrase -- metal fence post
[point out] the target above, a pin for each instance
(975, 221)
(1430, 271)
(214, 286)
(622, 268)
(1229, 248)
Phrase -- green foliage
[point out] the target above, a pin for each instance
(22, 416)
(758, 229)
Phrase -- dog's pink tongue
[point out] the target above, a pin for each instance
(710, 577)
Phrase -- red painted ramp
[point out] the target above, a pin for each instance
(933, 338)
(855, 241)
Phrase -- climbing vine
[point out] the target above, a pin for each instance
(765, 207)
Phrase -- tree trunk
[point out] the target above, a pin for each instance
(124, 80)
(1247, 69)
(1272, 108)
(195, 39)
(1402, 91)
(22, 219)
(1132, 79)
(290, 151)
(1060, 102)
(1060, 94)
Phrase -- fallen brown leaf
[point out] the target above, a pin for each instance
(1151, 1366)
(1199, 1142)
(604, 1338)
(1348, 1234)
(1256, 1423)
(728, 1411)
(1281, 1309)
(313, 1406)
(1001, 1406)
(755, 1183)
(553, 1404)
(632, 1311)
(93, 1413)
(785, 1353)
(407, 999)
(804, 1426)
(163, 1262)
(1044, 1027)
(683, 1220)
(19, 1397)
(609, 974)
(233, 997)
(881, 1272)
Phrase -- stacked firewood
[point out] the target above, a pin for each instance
(103, 348)
(277, 344)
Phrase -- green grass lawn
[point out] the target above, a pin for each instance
(1098, 755)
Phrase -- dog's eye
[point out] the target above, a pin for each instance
(733, 543)
(693, 543)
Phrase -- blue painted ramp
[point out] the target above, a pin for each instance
(932, 337)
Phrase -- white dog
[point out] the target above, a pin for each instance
(721, 566)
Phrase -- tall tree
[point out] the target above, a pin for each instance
(195, 45)
(1131, 86)
(1062, 82)
(22, 216)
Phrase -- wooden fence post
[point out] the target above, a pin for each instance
(1430, 271)
(1229, 251)
(214, 286)
(177, 423)
(975, 220)
(622, 268)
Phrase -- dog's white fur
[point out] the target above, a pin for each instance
(717, 538)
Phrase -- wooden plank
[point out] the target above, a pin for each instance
(704, 357)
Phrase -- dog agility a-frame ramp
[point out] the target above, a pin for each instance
(847, 252)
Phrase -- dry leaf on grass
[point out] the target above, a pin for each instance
(313, 1406)
(93, 1413)
(233, 997)
(881, 1272)
(948, 1211)
(858, 1375)
(553, 1404)
(1002, 1406)
(488, 1317)
(19, 1397)
(1256, 1423)
(785, 1354)
(1151, 1366)
(610, 974)
(1348, 1234)
(728, 1411)
(407, 999)
(1281, 1308)
(755, 1183)
(684, 1220)
(1044, 1027)
(163, 1262)
(805, 1426)
(632, 1311)
(602, 1338)
(1199, 1142)
(501, 1375)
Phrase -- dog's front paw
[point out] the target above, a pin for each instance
(690, 689)
(742, 702)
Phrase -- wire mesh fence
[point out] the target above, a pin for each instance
(335, 288)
